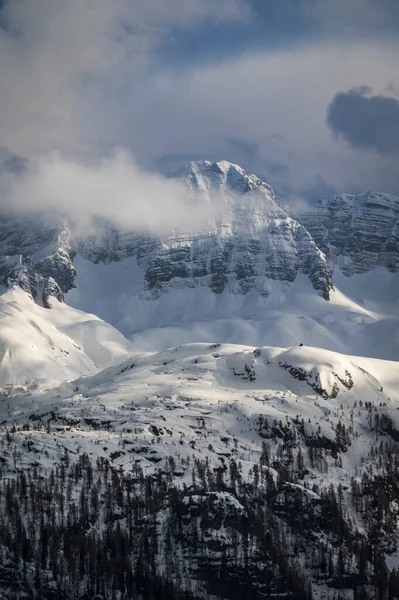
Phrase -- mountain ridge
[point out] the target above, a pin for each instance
(361, 231)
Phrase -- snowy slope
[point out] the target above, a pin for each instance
(254, 369)
(216, 401)
(42, 346)
(233, 435)
(360, 318)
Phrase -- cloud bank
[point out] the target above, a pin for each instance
(58, 59)
(83, 78)
(112, 189)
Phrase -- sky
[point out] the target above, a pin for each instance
(303, 93)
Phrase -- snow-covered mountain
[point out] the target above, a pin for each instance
(254, 275)
(220, 460)
(42, 347)
(234, 387)
(248, 241)
(223, 390)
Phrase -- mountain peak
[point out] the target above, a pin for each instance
(222, 175)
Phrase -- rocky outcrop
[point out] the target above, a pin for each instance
(59, 265)
(107, 244)
(358, 233)
(249, 240)
(39, 259)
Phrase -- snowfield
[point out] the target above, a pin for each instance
(210, 400)
(42, 347)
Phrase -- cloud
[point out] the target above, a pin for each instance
(365, 121)
(113, 189)
(248, 154)
(81, 78)
(57, 58)
(247, 148)
(355, 19)
(272, 105)
(290, 21)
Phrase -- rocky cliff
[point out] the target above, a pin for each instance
(358, 233)
(38, 258)
(249, 240)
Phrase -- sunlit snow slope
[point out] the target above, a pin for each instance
(40, 346)
(212, 400)
(362, 316)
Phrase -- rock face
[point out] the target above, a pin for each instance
(358, 233)
(248, 241)
(37, 258)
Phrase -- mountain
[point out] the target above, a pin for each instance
(206, 414)
(359, 233)
(251, 241)
(248, 241)
(254, 275)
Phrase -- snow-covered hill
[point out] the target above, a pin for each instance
(200, 438)
(180, 401)
(40, 346)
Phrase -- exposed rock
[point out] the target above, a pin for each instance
(358, 233)
(250, 239)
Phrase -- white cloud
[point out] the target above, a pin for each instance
(113, 189)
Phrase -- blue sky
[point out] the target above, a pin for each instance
(305, 93)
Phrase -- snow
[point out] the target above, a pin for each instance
(162, 379)
(361, 317)
(206, 400)
(43, 347)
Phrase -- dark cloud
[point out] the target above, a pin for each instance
(248, 152)
(365, 121)
(251, 157)
(276, 24)
(168, 164)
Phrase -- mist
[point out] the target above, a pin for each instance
(114, 189)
